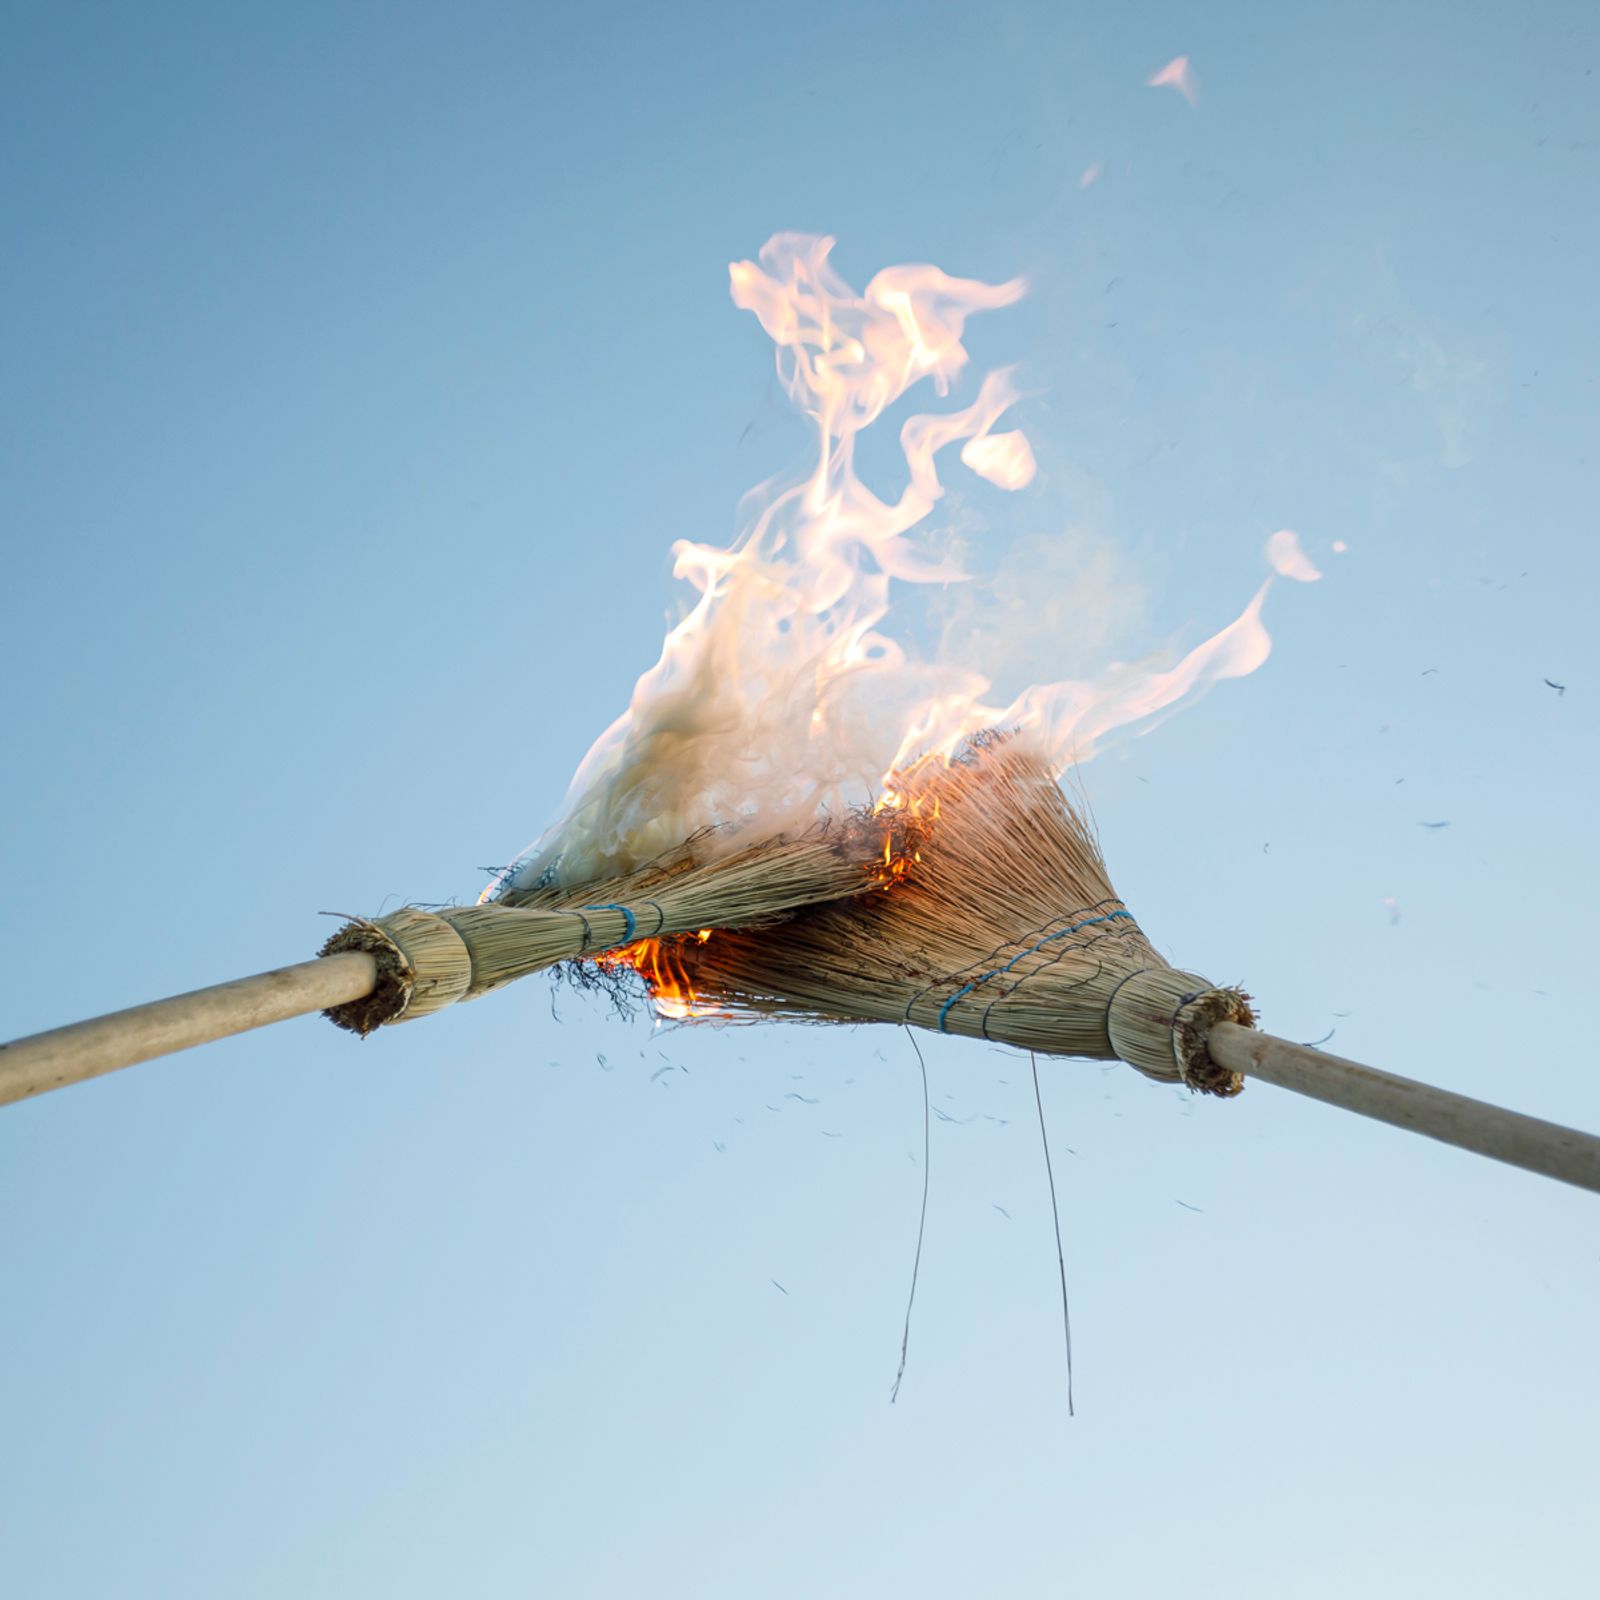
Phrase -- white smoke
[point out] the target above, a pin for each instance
(781, 695)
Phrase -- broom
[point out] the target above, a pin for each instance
(978, 857)
(1003, 925)
(414, 962)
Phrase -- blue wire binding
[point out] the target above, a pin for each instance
(627, 917)
(1060, 933)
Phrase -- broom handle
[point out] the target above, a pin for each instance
(86, 1049)
(52, 1060)
(1543, 1147)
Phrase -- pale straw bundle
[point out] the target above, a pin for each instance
(1001, 924)
(428, 959)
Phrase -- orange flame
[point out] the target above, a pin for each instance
(658, 963)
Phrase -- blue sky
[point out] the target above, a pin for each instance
(360, 364)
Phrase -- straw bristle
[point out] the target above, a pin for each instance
(972, 900)
(428, 959)
(1002, 925)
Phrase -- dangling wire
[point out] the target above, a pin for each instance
(922, 1225)
(1055, 1215)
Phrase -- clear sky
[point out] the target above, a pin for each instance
(360, 363)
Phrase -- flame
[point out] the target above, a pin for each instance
(657, 961)
(1005, 459)
(907, 818)
(1179, 75)
(782, 694)
(1289, 560)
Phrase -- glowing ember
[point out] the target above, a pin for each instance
(906, 817)
(660, 964)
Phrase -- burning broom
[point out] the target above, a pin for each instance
(1003, 925)
(971, 898)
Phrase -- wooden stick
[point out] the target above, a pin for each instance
(1486, 1130)
(87, 1049)
(84, 1050)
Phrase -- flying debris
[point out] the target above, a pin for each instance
(779, 1287)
